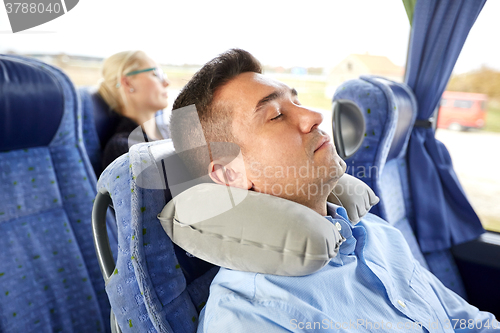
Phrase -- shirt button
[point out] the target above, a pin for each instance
(339, 227)
(402, 303)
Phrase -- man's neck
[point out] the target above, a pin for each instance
(317, 202)
(318, 205)
(320, 208)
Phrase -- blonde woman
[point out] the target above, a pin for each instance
(134, 86)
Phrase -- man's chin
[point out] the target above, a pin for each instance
(340, 168)
(343, 165)
(335, 162)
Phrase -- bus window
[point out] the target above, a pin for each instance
(471, 103)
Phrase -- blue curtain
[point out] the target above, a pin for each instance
(443, 215)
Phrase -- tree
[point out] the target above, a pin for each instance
(484, 81)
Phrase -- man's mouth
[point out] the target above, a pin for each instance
(323, 142)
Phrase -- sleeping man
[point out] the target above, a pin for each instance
(372, 284)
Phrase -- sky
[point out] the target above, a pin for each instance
(314, 33)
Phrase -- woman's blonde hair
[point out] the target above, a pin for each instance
(113, 69)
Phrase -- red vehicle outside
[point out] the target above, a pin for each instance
(460, 110)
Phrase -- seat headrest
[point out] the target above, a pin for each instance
(105, 118)
(373, 112)
(31, 103)
(348, 126)
(101, 116)
(163, 169)
(406, 104)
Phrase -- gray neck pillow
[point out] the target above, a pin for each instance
(250, 231)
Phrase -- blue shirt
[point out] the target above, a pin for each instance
(373, 285)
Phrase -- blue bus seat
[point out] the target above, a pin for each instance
(49, 274)
(389, 110)
(155, 285)
(99, 124)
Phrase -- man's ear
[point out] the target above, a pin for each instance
(229, 175)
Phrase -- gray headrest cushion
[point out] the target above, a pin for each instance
(249, 231)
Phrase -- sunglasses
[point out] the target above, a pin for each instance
(157, 71)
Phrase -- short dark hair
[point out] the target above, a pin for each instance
(215, 118)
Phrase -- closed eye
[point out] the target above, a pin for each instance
(277, 117)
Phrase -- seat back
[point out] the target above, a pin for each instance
(99, 124)
(49, 275)
(390, 110)
(156, 285)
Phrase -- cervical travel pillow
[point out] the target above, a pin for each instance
(255, 232)
(250, 231)
(354, 195)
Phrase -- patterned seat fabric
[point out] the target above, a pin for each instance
(390, 109)
(99, 123)
(155, 286)
(49, 276)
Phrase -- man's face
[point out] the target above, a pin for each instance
(284, 152)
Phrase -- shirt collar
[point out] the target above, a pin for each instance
(334, 210)
(338, 216)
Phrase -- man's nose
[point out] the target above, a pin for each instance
(309, 119)
(166, 82)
